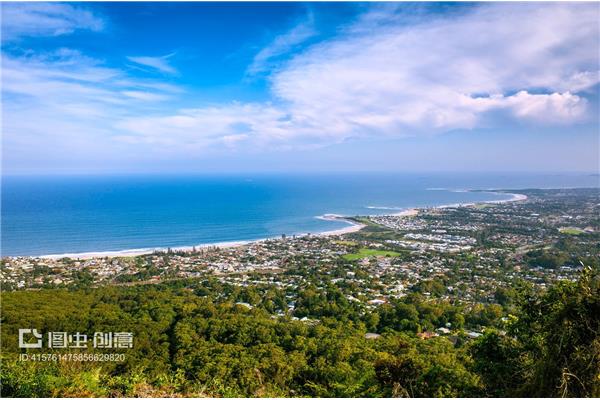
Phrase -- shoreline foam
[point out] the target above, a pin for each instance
(515, 197)
(354, 227)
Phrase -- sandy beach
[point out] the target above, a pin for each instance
(354, 227)
(411, 212)
(515, 197)
(141, 252)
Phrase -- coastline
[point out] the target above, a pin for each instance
(353, 227)
(410, 212)
(515, 197)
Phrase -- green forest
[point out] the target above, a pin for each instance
(194, 338)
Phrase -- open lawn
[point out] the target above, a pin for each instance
(571, 231)
(345, 242)
(364, 252)
(480, 206)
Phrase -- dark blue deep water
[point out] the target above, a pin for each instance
(55, 215)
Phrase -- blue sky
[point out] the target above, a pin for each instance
(229, 87)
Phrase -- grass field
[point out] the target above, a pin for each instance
(571, 231)
(480, 206)
(345, 242)
(364, 252)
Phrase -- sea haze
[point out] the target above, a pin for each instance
(56, 215)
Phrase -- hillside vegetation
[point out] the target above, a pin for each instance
(189, 341)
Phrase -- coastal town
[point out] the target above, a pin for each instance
(286, 199)
(440, 283)
(465, 253)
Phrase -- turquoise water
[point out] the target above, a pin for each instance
(56, 215)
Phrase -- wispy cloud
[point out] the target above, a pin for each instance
(146, 96)
(158, 63)
(282, 44)
(494, 63)
(64, 105)
(436, 75)
(46, 19)
(537, 65)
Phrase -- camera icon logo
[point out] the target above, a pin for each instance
(24, 344)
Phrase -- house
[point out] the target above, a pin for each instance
(427, 335)
(473, 335)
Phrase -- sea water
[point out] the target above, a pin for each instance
(70, 214)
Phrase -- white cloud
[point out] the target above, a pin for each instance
(146, 96)
(379, 77)
(555, 108)
(158, 63)
(45, 19)
(64, 105)
(211, 126)
(405, 79)
(264, 59)
(522, 62)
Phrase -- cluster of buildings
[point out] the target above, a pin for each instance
(462, 254)
(263, 256)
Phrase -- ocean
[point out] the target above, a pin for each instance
(74, 214)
